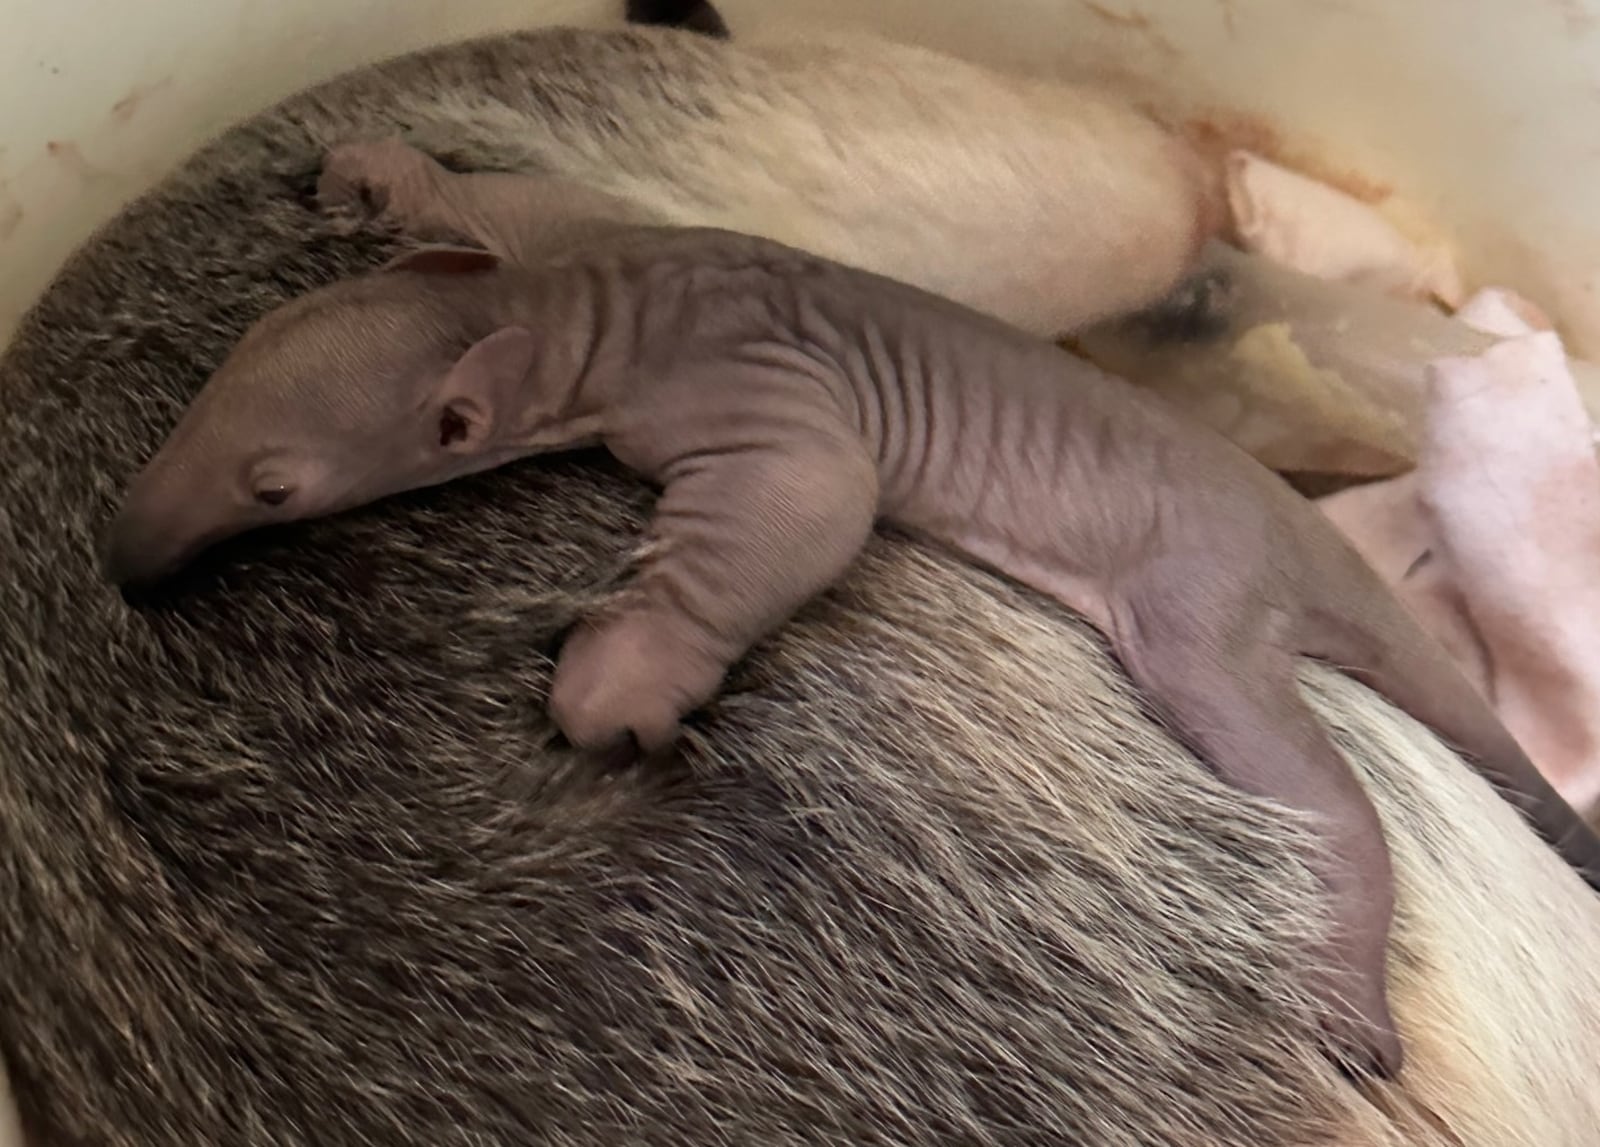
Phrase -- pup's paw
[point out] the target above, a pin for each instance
(632, 675)
(387, 178)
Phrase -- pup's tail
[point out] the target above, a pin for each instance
(691, 15)
(1388, 651)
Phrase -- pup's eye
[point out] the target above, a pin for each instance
(272, 493)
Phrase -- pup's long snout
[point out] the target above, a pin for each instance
(153, 536)
(132, 552)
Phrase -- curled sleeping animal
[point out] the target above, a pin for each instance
(784, 403)
(295, 858)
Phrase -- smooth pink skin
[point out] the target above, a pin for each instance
(783, 404)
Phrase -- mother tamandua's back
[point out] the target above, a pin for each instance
(1048, 204)
(286, 865)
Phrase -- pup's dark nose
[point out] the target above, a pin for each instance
(125, 558)
(115, 566)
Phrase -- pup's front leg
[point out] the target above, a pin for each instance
(743, 539)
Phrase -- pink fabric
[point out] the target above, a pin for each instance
(1494, 540)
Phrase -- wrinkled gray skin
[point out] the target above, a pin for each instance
(290, 859)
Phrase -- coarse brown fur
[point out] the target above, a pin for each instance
(292, 860)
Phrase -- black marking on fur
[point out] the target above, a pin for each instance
(1198, 310)
(691, 15)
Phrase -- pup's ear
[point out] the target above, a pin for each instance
(443, 261)
(481, 388)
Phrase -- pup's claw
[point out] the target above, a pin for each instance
(633, 675)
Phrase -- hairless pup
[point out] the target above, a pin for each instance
(783, 404)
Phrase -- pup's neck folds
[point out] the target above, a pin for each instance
(582, 360)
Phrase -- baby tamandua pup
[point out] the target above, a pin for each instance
(784, 403)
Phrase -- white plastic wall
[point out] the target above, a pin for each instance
(1482, 116)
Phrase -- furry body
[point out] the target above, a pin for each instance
(313, 874)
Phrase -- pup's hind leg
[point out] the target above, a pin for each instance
(1237, 704)
(521, 218)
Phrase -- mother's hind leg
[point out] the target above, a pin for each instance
(1237, 704)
